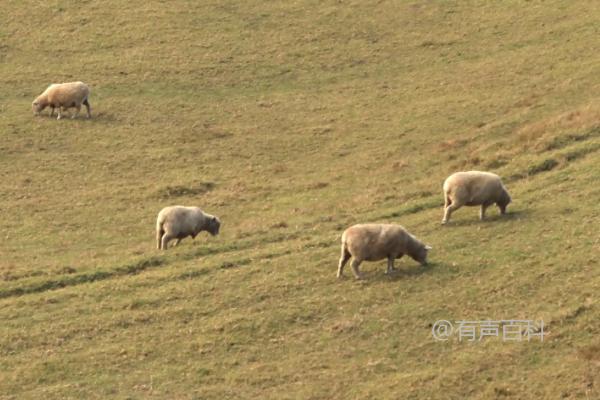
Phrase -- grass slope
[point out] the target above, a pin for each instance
(291, 121)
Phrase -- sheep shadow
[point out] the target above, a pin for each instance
(494, 218)
(66, 117)
(407, 271)
(96, 117)
(402, 272)
(103, 116)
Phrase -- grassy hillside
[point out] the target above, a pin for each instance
(291, 121)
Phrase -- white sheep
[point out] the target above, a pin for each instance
(179, 222)
(63, 96)
(374, 242)
(474, 188)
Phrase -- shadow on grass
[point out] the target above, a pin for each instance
(489, 219)
(195, 189)
(151, 262)
(511, 215)
(98, 117)
(432, 201)
(378, 275)
(406, 271)
(72, 280)
(68, 116)
(193, 274)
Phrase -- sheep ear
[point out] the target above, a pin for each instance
(214, 219)
(427, 247)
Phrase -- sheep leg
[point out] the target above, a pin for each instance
(59, 112)
(76, 113)
(447, 201)
(482, 211)
(502, 209)
(165, 240)
(343, 260)
(52, 111)
(86, 103)
(176, 242)
(159, 234)
(355, 263)
(390, 265)
(449, 210)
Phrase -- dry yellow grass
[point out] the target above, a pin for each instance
(292, 121)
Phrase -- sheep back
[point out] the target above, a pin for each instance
(67, 94)
(180, 221)
(473, 188)
(70, 94)
(373, 242)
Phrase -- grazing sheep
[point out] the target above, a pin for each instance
(179, 222)
(474, 188)
(63, 96)
(373, 242)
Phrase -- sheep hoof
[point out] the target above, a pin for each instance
(444, 222)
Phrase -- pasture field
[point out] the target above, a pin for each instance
(292, 120)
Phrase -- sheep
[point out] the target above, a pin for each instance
(474, 188)
(374, 242)
(63, 96)
(179, 222)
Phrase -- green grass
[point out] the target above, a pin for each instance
(292, 121)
